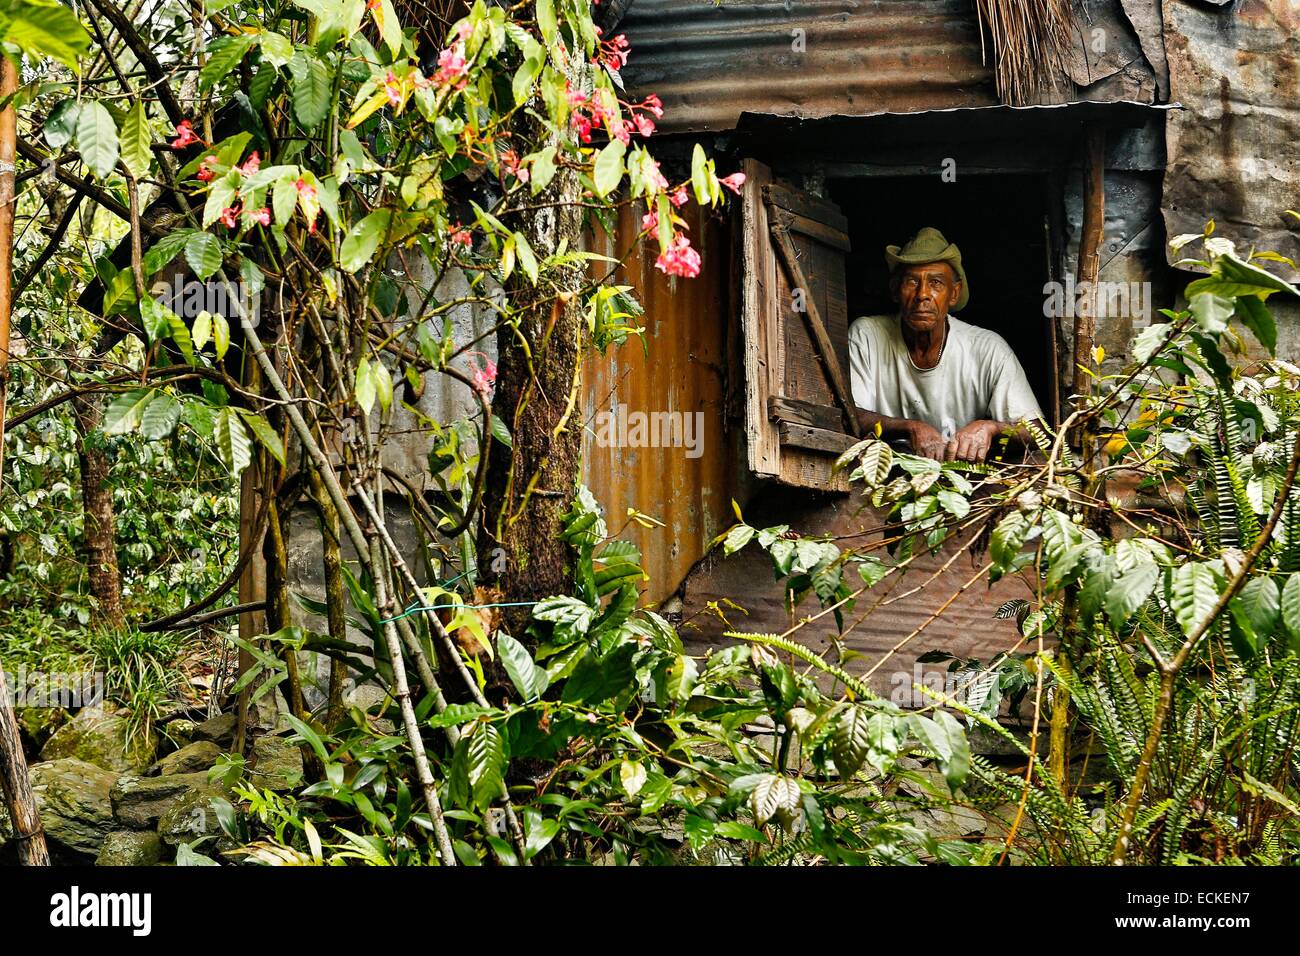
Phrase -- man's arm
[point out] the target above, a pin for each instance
(924, 438)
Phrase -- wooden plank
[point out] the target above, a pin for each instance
(815, 230)
(797, 412)
(810, 207)
(812, 318)
(815, 439)
(760, 325)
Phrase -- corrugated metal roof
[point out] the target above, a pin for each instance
(709, 62)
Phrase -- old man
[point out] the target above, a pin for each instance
(948, 388)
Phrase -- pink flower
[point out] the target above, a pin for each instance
(230, 216)
(679, 198)
(452, 68)
(485, 376)
(460, 235)
(510, 160)
(251, 165)
(679, 259)
(613, 53)
(733, 182)
(650, 221)
(309, 203)
(582, 123)
(393, 89)
(653, 104)
(262, 216)
(618, 129)
(205, 172)
(185, 135)
(657, 183)
(644, 124)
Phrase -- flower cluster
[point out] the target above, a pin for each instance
(485, 375)
(679, 259)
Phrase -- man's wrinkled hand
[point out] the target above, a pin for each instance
(972, 442)
(925, 440)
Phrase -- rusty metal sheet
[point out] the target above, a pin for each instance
(708, 61)
(1234, 152)
(681, 371)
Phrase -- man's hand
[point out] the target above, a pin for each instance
(972, 442)
(924, 439)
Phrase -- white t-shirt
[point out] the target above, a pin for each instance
(978, 376)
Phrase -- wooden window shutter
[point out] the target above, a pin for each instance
(794, 319)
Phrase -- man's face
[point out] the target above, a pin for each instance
(924, 294)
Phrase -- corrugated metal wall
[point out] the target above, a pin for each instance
(709, 62)
(682, 368)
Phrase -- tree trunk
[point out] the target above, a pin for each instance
(98, 525)
(24, 816)
(528, 492)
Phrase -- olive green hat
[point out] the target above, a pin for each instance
(926, 246)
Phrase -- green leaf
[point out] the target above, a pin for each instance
(46, 30)
(364, 387)
(632, 774)
(362, 240)
(383, 385)
(1129, 590)
(681, 678)
(232, 441)
(277, 49)
(529, 679)
(700, 175)
(61, 125)
(390, 27)
(851, 739)
(543, 169)
(221, 193)
(201, 330)
(1256, 317)
(736, 538)
(160, 417)
(264, 433)
(1211, 311)
(224, 55)
(97, 138)
(135, 140)
(527, 261)
(1193, 594)
(220, 335)
(1291, 605)
(1007, 539)
(203, 253)
(609, 167)
(500, 432)
(125, 412)
(156, 319)
(545, 12)
(957, 764)
(487, 760)
(311, 89)
(1262, 601)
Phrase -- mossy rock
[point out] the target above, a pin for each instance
(132, 848)
(192, 758)
(76, 809)
(100, 738)
(276, 764)
(140, 802)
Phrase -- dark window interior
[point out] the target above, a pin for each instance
(999, 223)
